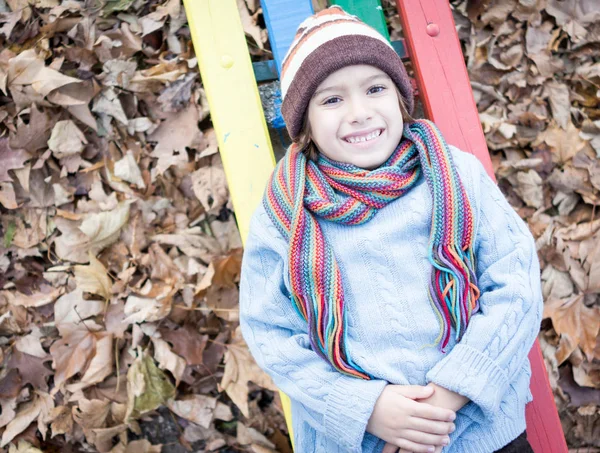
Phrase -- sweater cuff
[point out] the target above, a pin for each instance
(470, 373)
(348, 409)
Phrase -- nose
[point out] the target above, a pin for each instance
(359, 110)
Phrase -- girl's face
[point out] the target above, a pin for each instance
(355, 116)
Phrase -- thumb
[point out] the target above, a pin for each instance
(415, 392)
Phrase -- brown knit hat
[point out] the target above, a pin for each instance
(325, 42)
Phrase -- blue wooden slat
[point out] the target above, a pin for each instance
(282, 18)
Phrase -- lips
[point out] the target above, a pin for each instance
(363, 136)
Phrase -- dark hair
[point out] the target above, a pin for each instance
(308, 147)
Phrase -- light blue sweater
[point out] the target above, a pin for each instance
(390, 321)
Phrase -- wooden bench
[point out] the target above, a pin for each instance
(230, 81)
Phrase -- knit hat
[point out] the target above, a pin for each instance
(324, 43)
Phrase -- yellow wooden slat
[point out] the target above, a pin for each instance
(235, 107)
(236, 110)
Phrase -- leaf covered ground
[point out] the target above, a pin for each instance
(119, 253)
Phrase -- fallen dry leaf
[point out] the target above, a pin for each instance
(37, 409)
(579, 322)
(198, 409)
(240, 368)
(93, 278)
(147, 387)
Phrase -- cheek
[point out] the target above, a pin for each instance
(324, 129)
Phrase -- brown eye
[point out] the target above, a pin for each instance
(377, 89)
(331, 101)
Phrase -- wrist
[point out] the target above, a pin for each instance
(446, 398)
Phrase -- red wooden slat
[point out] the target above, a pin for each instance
(447, 98)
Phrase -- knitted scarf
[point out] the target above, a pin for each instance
(301, 190)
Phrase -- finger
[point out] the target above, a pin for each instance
(414, 447)
(431, 426)
(425, 410)
(389, 448)
(424, 438)
(414, 391)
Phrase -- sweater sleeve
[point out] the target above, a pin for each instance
(499, 337)
(339, 406)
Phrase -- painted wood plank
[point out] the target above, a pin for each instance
(282, 18)
(448, 100)
(265, 71)
(369, 11)
(441, 74)
(236, 111)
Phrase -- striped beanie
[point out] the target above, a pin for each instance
(324, 43)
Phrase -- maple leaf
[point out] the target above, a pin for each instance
(93, 278)
(72, 354)
(167, 360)
(12, 159)
(31, 369)
(27, 68)
(38, 408)
(198, 409)
(187, 343)
(100, 366)
(96, 232)
(34, 135)
(61, 420)
(571, 317)
(72, 310)
(240, 368)
(155, 305)
(11, 384)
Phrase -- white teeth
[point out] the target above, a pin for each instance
(364, 138)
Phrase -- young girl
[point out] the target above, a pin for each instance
(388, 288)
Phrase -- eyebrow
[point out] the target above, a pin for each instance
(336, 88)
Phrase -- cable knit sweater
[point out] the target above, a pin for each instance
(391, 323)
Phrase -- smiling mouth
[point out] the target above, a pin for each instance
(364, 138)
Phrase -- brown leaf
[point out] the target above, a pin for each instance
(61, 419)
(558, 95)
(240, 368)
(249, 23)
(100, 366)
(179, 131)
(576, 320)
(11, 384)
(563, 143)
(66, 139)
(27, 68)
(31, 369)
(198, 409)
(210, 186)
(187, 343)
(11, 158)
(94, 234)
(34, 135)
(37, 409)
(72, 354)
(93, 278)
(167, 360)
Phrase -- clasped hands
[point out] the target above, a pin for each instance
(414, 418)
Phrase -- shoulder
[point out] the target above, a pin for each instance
(264, 233)
(465, 162)
(471, 172)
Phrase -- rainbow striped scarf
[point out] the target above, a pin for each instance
(301, 190)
